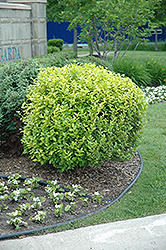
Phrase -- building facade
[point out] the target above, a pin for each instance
(22, 29)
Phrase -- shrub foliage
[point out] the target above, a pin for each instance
(58, 43)
(14, 80)
(51, 49)
(15, 77)
(82, 114)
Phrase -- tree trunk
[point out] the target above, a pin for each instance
(91, 49)
(156, 39)
(115, 50)
(75, 39)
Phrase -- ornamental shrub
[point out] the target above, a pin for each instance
(51, 49)
(55, 43)
(14, 80)
(82, 114)
(135, 71)
(91, 59)
(55, 59)
(157, 72)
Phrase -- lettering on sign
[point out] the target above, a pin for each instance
(9, 54)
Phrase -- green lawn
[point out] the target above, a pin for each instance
(138, 55)
(144, 55)
(148, 195)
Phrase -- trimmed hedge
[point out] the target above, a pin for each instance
(82, 114)
(55, 43)
(51, 49)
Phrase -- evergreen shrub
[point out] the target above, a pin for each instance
(51, 49)
(55, 43)
(82, 114)
(15, 77)
(55, 59)
(92, 59)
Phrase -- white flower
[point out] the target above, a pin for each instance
(15, 213)
(48, 189)
(57, 206)
(28, 182)
(54, 182)
(16, 194)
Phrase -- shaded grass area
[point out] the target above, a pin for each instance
(148, 195)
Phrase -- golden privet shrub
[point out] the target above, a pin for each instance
(82, 114)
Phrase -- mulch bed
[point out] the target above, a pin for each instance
(110, 179)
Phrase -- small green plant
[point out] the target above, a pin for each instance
(15, 213)
(70, 196)
(56, 197)
(19, 194)
(3, 188)
(85, 201)
(77, 189)
(58, 210)
(17, 222)
(53, 187)
(97, 197)
(37, 202)
(16, 195)
(24, 207)
(3, 206)
(71, 207)
(39, 217)
(13, 181)
(32, 183)
(3, 198)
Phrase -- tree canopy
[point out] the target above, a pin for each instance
(105, 24)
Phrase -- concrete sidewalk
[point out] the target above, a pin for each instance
(147, 233)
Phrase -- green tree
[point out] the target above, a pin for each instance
(109, 24)
(106, 24)
(159, 19)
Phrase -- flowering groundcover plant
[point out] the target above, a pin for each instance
(26, 203)
(155, 94)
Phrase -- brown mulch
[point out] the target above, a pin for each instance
(111, 179)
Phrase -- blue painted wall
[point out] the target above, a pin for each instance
(56, 30)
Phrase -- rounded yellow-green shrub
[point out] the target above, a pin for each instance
(81, 115)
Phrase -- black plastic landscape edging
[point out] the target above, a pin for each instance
(6, 236)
